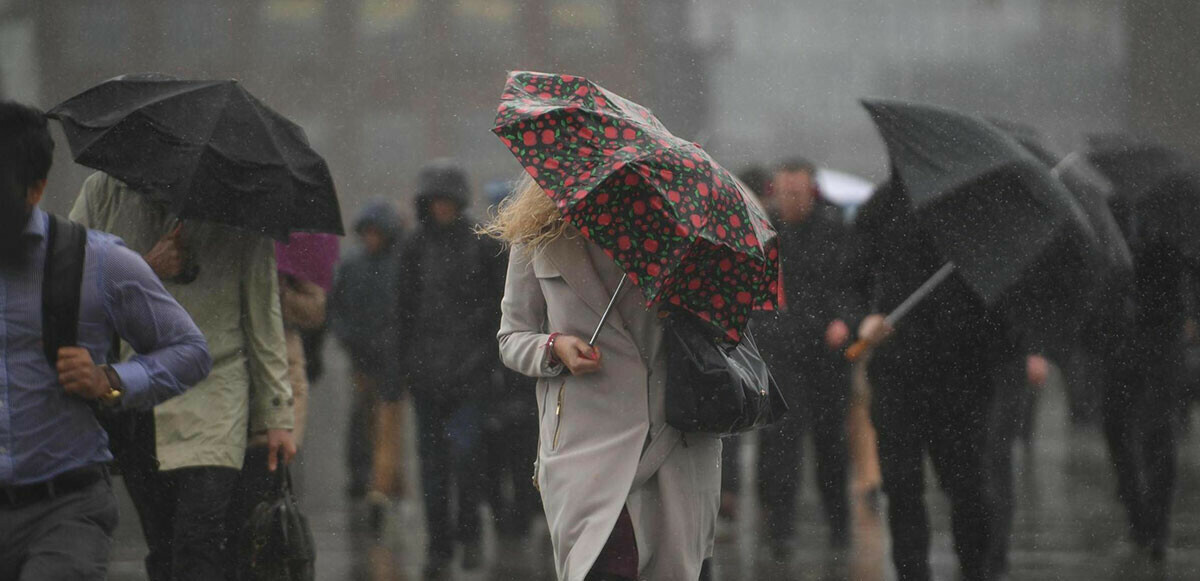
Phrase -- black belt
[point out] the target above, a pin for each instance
(61, 485)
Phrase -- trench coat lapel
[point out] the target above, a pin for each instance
(575, 264)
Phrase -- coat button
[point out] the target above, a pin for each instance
(275, 401)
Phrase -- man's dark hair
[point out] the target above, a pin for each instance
(796, 164)
(26, 150)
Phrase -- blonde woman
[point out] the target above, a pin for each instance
(626, 496)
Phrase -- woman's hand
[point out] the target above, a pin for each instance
(579, 357)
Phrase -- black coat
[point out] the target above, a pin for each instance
(451, 283)
(952, 325)
(813, 260)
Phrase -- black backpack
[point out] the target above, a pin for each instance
(66, 245)
(130, 432)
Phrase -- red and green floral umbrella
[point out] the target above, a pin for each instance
(680, 225)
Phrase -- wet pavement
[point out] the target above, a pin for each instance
(1068, 525)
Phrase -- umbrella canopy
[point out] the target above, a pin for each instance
(1159, 187)
(211, 149)
(989, 205)
(681, 226)
(1090, 188)
(309, 257)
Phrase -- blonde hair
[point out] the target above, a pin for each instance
(528, 218)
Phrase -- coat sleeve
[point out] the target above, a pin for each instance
(86, 211)
(522, 333)
(262, 324)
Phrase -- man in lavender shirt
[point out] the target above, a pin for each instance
(57, 510)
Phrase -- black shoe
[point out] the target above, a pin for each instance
(472, 556)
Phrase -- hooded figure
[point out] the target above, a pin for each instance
(451, 281)
(362, 315)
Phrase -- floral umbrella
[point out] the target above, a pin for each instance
(681, 226)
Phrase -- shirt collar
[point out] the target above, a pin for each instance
(36, 227)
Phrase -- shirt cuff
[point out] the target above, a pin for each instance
(135, 383)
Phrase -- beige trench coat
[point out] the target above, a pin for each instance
(603, 441)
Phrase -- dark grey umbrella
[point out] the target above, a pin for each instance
(210, 148)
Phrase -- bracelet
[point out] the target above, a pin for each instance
(550, 347)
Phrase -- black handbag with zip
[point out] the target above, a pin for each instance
(714, 387)
(281, 542)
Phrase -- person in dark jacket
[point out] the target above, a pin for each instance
(933, 380)
(1138, 334)
(510, 430)
(451, 282)
(802, 342)
(362, 312)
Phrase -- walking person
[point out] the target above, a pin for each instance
(932, 387)
(600, 409)
(305, 266)
(448, 305)
(226, 279)
(57, 509)
(802, 341)
(362, 312)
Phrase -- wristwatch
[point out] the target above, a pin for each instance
(114, 386)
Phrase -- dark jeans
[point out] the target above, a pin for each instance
(448, 443)
(941, 410)
(1141, 403)
(819, 391)
(183, 514)
(65, 537)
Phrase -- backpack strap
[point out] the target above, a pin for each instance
(66, 243)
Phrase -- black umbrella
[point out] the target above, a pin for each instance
(210, 148)
(1053, 303)
(1091, 189)
(991, 208)
(1159, 188)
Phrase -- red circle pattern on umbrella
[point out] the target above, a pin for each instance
(680, 225)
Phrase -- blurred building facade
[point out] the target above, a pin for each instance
(383, 85)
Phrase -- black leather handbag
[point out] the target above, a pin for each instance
(281, 542)
(713, 387)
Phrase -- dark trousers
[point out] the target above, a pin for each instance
(183, 514)
(360, 435)
(941, 410)
(510, 451)
(448, 443)
(819, 390)
(64, 537)
(1006, 422)
(255, 484)
(1140, 406)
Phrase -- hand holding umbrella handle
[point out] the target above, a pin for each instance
(862, 345)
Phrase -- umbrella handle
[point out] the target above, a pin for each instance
(857, 350)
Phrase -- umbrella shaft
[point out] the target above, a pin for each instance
(604, 317)
(920, 294)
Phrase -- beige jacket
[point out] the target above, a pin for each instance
(603, 441)
(235, 302)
